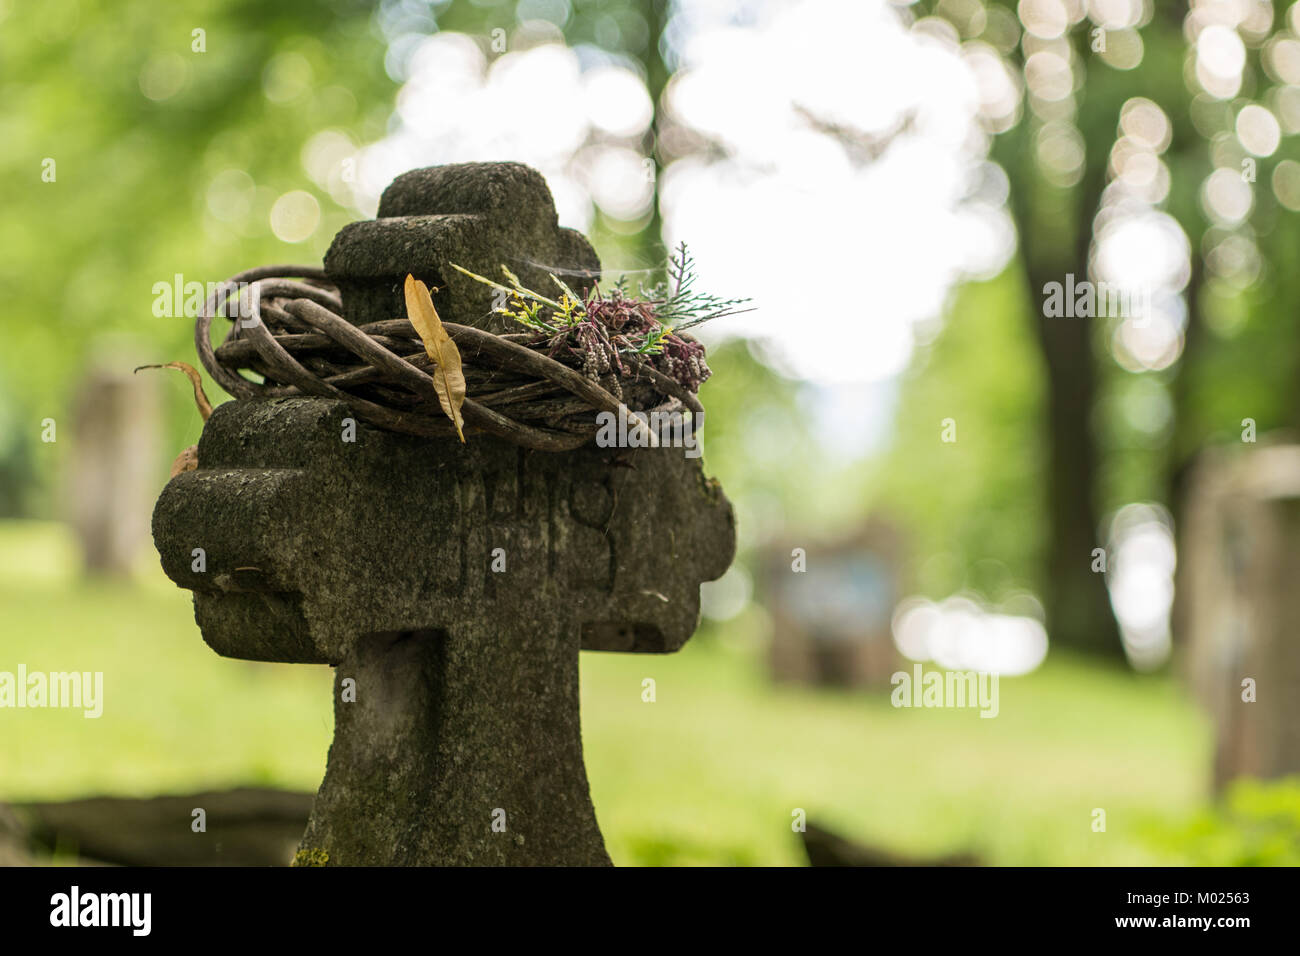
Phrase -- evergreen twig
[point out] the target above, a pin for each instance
(595, 332)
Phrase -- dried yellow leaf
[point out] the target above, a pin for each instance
(448, 378)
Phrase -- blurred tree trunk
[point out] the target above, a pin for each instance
(1079, 613)
(657, 14)
(1185, 444)
(1055, 229)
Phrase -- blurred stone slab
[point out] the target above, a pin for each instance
(14, 839)
(245, 827)
(827, 848)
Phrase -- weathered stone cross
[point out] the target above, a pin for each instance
(457, 736)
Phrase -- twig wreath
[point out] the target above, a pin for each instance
(537, 387)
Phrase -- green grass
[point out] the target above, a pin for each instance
(709, 773)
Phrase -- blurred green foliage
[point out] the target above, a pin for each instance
(982, 526)
(1257, 823)
(757, 443)
(129, 203)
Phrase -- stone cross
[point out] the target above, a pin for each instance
(480, 216)
(450, 586)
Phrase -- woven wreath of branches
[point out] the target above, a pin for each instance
(288, 330)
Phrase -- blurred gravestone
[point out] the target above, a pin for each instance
(451, 586)
(112, 472)
(1238, 601)
(831, 621)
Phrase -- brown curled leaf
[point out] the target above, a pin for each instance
(200, 397)
(188, 460)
